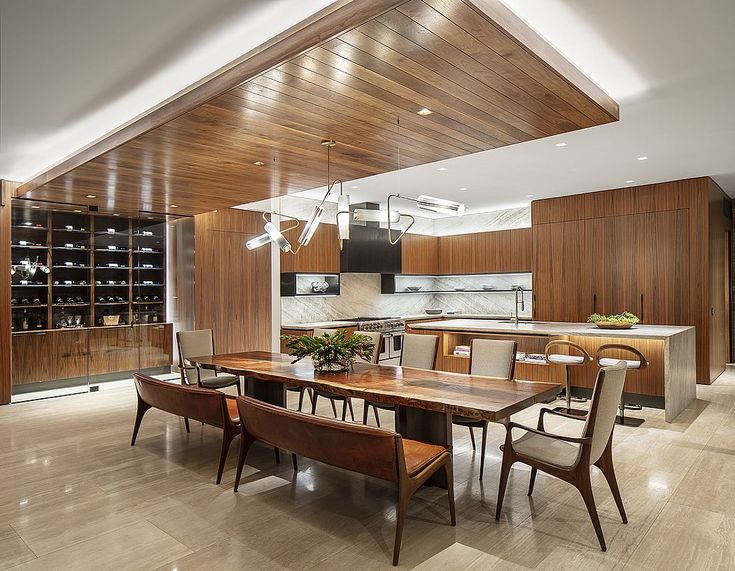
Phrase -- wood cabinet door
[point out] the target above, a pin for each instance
(71, 353)
(321, 255)
(420, 254)
(32, 358)
(561, 272)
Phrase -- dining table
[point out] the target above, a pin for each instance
(424, 400)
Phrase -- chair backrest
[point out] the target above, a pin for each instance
(493, 358)
(604, 407)
(197, 343)
(376, 337)
(205, 405)
(364, 449)
(419, 351)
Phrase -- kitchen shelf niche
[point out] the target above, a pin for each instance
(300, 285)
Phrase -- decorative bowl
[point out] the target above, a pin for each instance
(433, 311)
(413, 288)
(488, 287)
(613, 325)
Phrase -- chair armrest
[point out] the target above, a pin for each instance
(570, 439)
(185, 368)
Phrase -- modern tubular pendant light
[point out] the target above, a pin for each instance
(273, 234)
(343, 217)
(276, 237)
(261, 240)
(311, 225)
(440, 205)
(363, 215)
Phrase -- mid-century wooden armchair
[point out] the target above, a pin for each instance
(200, 343)
(568, 458)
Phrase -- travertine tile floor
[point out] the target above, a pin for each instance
(76, 495)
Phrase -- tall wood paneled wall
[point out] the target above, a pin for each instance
(655, 250)
(6, 189)
(233, 284)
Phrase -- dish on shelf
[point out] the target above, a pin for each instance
(459, 288)
(413, 288)
(433, 311)
(488, 287)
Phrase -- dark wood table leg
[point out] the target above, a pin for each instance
(267, 391)
(426, 426)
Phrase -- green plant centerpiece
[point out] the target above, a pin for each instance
(330, 352)
(624, 320)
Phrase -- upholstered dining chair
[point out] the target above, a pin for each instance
(568, 458)
(200, 343)
(376, 338)
(418, 352)
(489, 358)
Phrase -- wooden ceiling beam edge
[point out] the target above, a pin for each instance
(499, 14)
(328, 23)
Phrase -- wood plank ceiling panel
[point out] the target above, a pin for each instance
(485, 88)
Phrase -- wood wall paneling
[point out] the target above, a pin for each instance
(6, 353)
(720, 226)
(233, 291)
(363, 67)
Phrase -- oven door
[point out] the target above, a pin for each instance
(386, 341)
(396, 345)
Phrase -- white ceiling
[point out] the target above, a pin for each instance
(73, 70)
(671, 66)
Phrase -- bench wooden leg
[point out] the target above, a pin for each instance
(142, 409)
(246, 441)
(226, 441)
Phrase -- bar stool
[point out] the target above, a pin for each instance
(568, 361)
(639, 363)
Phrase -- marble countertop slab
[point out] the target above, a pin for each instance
(320, 325)
(552, 328)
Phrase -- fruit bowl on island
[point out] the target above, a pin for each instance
(624, 320)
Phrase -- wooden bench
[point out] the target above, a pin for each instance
(367, 450)
(208, 406)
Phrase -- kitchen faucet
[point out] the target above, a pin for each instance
(518, 292)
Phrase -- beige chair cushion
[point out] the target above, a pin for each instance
(609, 362)
(492, 358)
(549, 450)
(213, 381)
(419, 351)
(566, 359)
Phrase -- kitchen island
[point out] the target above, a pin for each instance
(668, 382)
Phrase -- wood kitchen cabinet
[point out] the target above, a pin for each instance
(420, 254)
(645, 250)
(502, 251)
(320, 256)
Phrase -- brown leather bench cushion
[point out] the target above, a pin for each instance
(204, 405)
(419, 455)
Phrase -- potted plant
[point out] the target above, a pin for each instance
(625, 320)
(330, 352)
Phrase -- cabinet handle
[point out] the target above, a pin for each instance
(594, 303)
(641, 307)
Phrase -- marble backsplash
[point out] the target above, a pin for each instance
(360, 297)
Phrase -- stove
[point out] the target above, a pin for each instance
(392, 329)
(381, 324)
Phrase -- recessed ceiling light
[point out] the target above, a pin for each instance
(629, 181)
(91, 196)
(442, 169)
(354, 186)
(561, 144)
(424, 111)
(258, 163)
(642, 158)
(463, 188)
(530, 195)
(174, 206)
